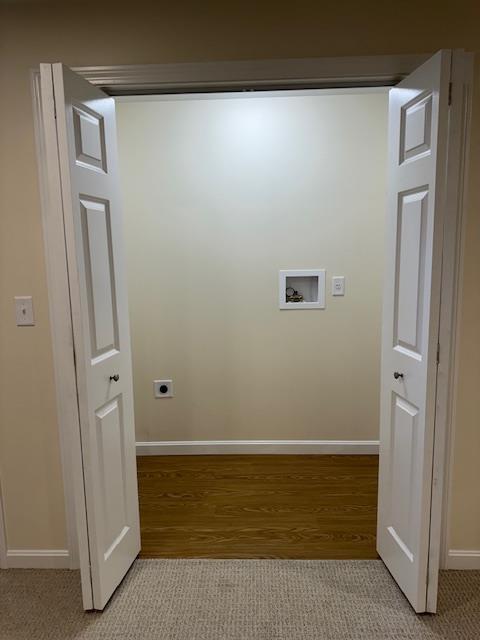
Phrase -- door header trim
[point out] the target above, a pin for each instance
(192, 77)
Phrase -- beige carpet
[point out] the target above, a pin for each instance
(238, 600)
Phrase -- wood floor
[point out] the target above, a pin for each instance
(258, 506)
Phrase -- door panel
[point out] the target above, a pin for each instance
(418, 124)
(416, 127)
(100, 283)
(110, 439)
(93, 229)
(410, 281)
(404, 432)
(89, 135)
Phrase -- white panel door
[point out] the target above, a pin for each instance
(93, 226)
(418, 115)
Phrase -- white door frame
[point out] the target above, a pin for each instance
(225, 76)
(451, 291)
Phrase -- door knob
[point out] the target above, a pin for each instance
(115, 378)
(398, 375)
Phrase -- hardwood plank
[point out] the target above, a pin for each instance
(258, 506)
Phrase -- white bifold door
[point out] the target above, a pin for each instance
(418, 127)
(90, 195)
(87, 149)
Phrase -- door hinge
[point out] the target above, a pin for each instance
(438, 353)
(450, 89)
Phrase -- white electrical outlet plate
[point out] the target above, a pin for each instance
(24, 311)
(338, 285)
(163, 388)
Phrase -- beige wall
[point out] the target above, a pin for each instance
(82, 33)
(219, 194)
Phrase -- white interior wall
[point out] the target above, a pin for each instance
(220, 193)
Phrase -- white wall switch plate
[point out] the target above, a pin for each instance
(338, 285)
(163, 388)
(24, 311)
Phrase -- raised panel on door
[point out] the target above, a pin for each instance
(89, 132)
(100, 280)
(416, 127)
(410, 274)
(403, 473)
(112, 481)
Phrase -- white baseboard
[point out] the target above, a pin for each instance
(463, 559)
(209, 447)
(3, 537)
(38, 559)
